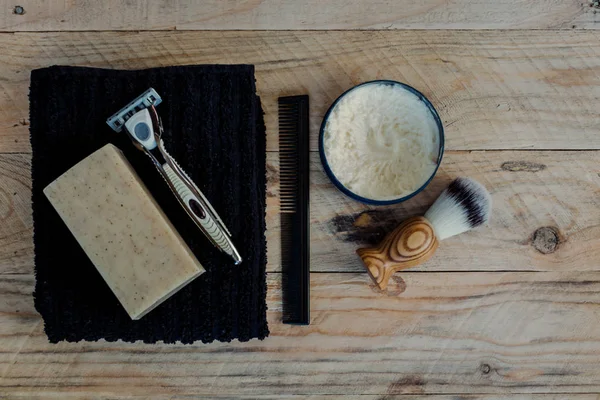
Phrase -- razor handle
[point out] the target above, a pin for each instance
(410, 244)
(195, 204)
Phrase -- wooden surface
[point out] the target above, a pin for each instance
(511, 310)
(297, 14)
(477, 332)
(493, 89)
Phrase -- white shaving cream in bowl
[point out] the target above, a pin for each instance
(381, 142)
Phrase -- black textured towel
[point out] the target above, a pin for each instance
(214, 128)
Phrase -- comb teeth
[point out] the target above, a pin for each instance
(288, 154)
(294, 199)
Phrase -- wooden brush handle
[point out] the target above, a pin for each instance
(410, 244)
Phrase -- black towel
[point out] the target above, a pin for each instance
(214, 128)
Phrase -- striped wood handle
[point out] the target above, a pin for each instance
(410, 244)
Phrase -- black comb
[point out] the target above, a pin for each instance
(294, 199)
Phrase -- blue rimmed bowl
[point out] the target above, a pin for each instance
(347, 191)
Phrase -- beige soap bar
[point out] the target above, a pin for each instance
(123, 231)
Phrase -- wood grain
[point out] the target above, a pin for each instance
(506, 396)
(410, 244)
(84, 15)
(16, 222)
(493, 89)
(546, 396)
(544, 218)
(545, 215)
(504, 332)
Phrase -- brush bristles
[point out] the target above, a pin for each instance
(464, 205)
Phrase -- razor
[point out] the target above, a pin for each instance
(143, 125)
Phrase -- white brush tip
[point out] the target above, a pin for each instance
(464, 205)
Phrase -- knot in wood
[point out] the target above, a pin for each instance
(485, 369)
(546, 239)
(522, 166)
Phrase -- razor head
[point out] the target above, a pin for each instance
(148, 98)
(141, 129)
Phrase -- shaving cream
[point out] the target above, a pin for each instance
(381, 141)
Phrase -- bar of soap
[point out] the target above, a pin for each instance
(123, 231)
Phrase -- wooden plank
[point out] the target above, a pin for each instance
(545, 396)
(444, 333)
(559, 191)
(493, 89)
(545, 215)
(25, 394)
(82, 15)
(16, 221)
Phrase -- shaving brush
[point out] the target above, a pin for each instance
(464, 205)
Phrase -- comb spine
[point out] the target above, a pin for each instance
(304, 206)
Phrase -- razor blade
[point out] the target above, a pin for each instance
(143, 101)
